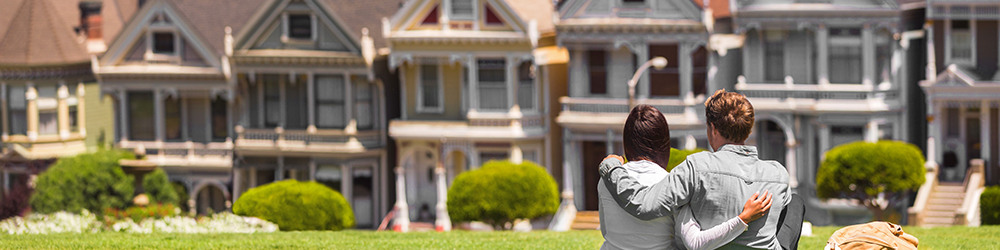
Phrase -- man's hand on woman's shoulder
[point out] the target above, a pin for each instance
(607, 166)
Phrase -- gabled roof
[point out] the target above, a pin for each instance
(953, 76)
(538, 10)
(33, 33)
(210, 18)
(795, 5)
(270, 11)
(358, 14)
(524, 11)
(608, 12)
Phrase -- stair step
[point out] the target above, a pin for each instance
(939, 220)
(588, 213)
(938, 207)
(958, 195)
(944, 201)
(585, 226)
(587, 219)
(939, 213)
(950, 188)
(936, 225)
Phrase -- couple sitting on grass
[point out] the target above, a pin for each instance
(642, 206)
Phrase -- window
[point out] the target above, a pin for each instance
(172, 110)
(300, 26)
(220, 127)
(485, 157)
(845, 55)
(774, 56)
(665, 82)
(140, 116)
(430, 89)
(492, 84)
(961, 40)
(330, 102)
(699, 76)
(48, 115)
(883, 56)
(364, 102)
(526, 87)
(296, 104)
(17, 106)
(272, 101)
(72, 102)
(462, 9)
(163, 43)
(597, 65)
(846, 134)
(362, 194)
(330, 176)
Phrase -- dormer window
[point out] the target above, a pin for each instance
(300, 26)
(463, 10)
(961, 42)
(163, 43)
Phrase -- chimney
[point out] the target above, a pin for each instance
(91, 24)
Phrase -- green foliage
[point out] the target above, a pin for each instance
(137, 213)
(295, 205)
(863, 171)
(182, 195)
(679, 155)
(501, 192)
(92, 181)
(989, 206)
(158, 188)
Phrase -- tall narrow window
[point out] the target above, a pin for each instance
(774, 56)
(430, 96)
(362, 196)
(272, 101)
(296, 106)
(526, 87)
(172, 110)
(597, 65)
(492, 84)
(300, 26)
(330, 102)
(845, 55)
(665, 82)
(364, 102)
(17, 105)
(220, 126)
(48, 115)
(72, 102)
(462, 9)
(163, 43)
(699, 76)
(140, 116)
(961, 40)
(883, 56)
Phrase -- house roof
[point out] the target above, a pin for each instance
(32, 33)
(210, 18)
(356, 15)
(539, 10)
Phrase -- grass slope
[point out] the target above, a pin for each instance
(930, 238)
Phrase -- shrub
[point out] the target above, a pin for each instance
(92, 181)
(295, 205)
(679, 155)
(158, 187)
(182, 195)
(137, 213)
(878, 175)
(501, 192)
(989, 206)
(15, 202)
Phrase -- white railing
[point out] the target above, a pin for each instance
(281, 137)
(493, 96)
(608, 105)
(814, 91)
(487, 120)
(974, 187)
(215, 150)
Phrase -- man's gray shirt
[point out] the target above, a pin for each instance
(715, 186)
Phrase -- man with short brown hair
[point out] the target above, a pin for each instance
(712, 184)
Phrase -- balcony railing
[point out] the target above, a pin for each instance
(279, 137)
(818, 92)
(606, 105)
(193, 153)
(487, 120)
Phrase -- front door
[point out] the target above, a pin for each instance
(593, 153)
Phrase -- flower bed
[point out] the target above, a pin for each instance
(86, 222)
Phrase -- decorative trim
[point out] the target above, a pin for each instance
(27, 73)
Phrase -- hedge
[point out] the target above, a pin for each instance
(989, 206)
(295, 205)
(501, 192)
(679, 155)
(158, 188)
(92, 181)
(865, 171)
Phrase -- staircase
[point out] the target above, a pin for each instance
(586, 220)
(944, 200)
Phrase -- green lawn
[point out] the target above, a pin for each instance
(937, 238)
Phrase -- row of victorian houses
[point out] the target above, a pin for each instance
(387, 101)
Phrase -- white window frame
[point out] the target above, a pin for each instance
(535, 83)
(286, 27)
(479, 152)
(420, 90)
(470, 17)
(948, 45)
(163, 57)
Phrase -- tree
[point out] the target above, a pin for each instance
(501, 192)
(92, 181)
(877, 175)
(158, 188)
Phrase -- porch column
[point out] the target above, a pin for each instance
(984, 127)
(690, 142)
(511, 73)
(473, 84)
(123, 115)
(824, 140)
(3, 110)
(443, 221)
(868, 55)
(311, 102)
(790, 164)
(642, 88)
(686, 66)
(823, 55)
(609, 142)
(253, 177)
(871, 132)
(312, 169)
(282, 103)
(62, 109)
(279, 172)
(262, 105)
(81, 110)
(31, 95)
(402, 221)
(237, 182)
(159, 115)
(352, 124)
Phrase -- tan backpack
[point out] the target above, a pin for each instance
(877, 235)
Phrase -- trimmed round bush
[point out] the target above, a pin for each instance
(158, 188)
(501, 192)
(862, 171)
(679, 155)
(92, 181)
(989, 206)
(295, 205)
